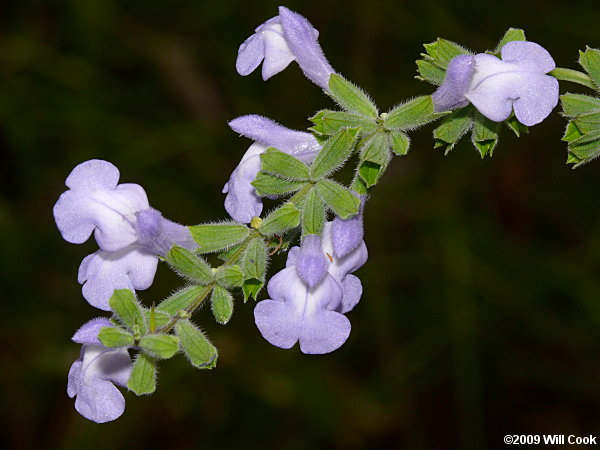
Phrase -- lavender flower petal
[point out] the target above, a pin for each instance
(451, 94)
(102, 272)
(298, 313)
(352, 289)
(88, 332)
(269, 133)
(311, 262)
(526, 53)
(242, 202)
(347, 234)
(302, 40)
(159, 235)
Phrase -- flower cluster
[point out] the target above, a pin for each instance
(310, 297)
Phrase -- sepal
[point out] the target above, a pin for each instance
(282, 219)
(341, 201)
(590, 61)
(329, 122)
(351, 97)
(115, 337)
(283, 165)
(374, 158)
(221, 305)
(229, 276)
(253, 264)
(189, 265)
(180, 300)
(452, 128)
(485, 134)
(159, 345)
(334, 153)
(399, 142)
(512, 34)
(272, 185)
(126, 307)
(313, 213)
(411, 114)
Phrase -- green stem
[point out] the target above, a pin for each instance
(573, 76)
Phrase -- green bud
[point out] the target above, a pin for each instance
(330, 122)
(412, 114)
(374, 158)
(229, 276)
(180, 300)
(143, 375)
(126, 307)
(267, 184)
(313, 214)
(351, 97)
(283, 165)
(160, 346)
(196, 346)
(282, 219)
(334, 153)
(189, 265)
(341, 201)
(115, 337)
(222, 305)
(218, 236)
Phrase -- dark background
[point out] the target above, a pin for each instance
(480, 315)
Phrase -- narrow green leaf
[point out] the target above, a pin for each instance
(590, 61)
(282, 219)
(485, 134)
(452, 128)
(189, 265)
(221, 305)
(333, 154)
(430, 72)
(283, 165)
(254, 260)
(124, 304)
(229, 276)
(267, 184)
(180, 300)
(341, 201)
(412, 114)
(159, 345)
(196, 346)
(577, 104)
(351, 97)
(399, 142)
(143, 375)
(374, 158)
(115, 337)
(313, 214)
(512, 34)
(218, 236)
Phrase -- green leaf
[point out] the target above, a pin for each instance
(399, 142)
(218, 236)
(333, 154)
(452, 128)
(313, 214)
(229, 276)
(577, 104)
(517, 127)
(159, 345)
(254, 260)
(221, 305)
(412, 114)
(485, 134)
(267, 184)
(341, 201)
(282, 219)
(358, 185)
(590, 61)
(572, 133)
(251, 288)
(196, 346)
(124, 304)
(351, 97)
(374, 158)
(189, 265)
(115, 337)
(161, 318)
(330, 122)
(512, 34)
(227, 254)
(143, 375)
(283, 165)
(442, 51)
(428, 71)
(180, 300)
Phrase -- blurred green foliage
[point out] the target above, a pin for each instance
(480, 315)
